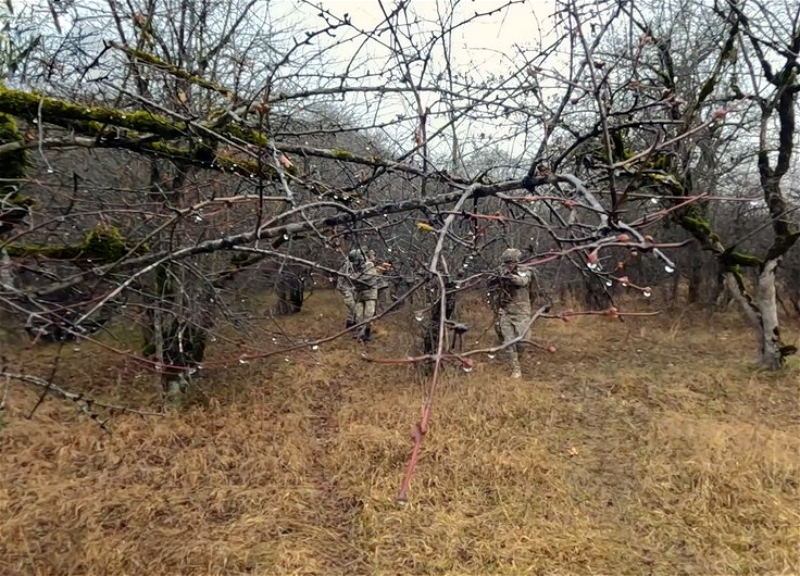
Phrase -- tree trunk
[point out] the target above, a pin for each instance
(721, 293)
(6, 276)
(595, 296)
(695, 281)
(291, 293)
(173, 336)
(772, 353)
(676, 288)
(762, 312)
(184, 349)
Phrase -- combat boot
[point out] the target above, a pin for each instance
(366, 335)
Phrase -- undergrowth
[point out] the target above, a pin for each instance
(650, 446)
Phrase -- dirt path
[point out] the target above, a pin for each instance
(337, 512)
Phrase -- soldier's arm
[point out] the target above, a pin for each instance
(370, 275)
(520, 278)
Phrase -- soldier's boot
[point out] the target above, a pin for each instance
(366, 334)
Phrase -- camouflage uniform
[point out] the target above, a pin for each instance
(384, 297)
(344, 284)
(366, 296)
(512, 297)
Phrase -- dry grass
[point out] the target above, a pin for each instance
(649, 447)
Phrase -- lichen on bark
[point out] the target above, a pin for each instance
(171, 69)
(102, 245)
(62, 113)
(124, 129)
(14, 165)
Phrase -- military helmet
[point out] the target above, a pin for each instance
(356, 256)
(510, 255)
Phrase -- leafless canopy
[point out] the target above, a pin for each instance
(162, 157)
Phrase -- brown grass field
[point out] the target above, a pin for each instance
(653, 446)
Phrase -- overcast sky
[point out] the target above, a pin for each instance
(485, 45)
(489, 45)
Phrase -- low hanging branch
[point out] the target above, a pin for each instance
(170, 117)
(84, 404)
(151, 133)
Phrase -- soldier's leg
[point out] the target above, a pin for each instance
(351, 314)
(360, 309)
(350, 303)
(497, 329)
(520, 325)
(509, 333)
(383, 299)
(369, 312)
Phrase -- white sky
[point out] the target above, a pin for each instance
(488, 45)
(485, 41)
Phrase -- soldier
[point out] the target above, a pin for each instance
(366, 296)
(511, 294)
(383, 282)
(345, 286)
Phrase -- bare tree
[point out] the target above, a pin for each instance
(663, 94)
(176, 149)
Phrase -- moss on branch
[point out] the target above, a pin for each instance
(694, 223)
(734, 258)
(341, 154)
(102, 245)
(246, 134)
(14, 165)
(668, 180)
(782, 243)
(59, 112)
(94, 121)
(173, 70)
(200, 157)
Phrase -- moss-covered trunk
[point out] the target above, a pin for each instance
(695, 281)
(174, 342)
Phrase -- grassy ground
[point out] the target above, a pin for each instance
(652, 446)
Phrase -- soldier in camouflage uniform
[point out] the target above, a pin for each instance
(383, 283)
(366, 295)
(344, 284)
(511, 294)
